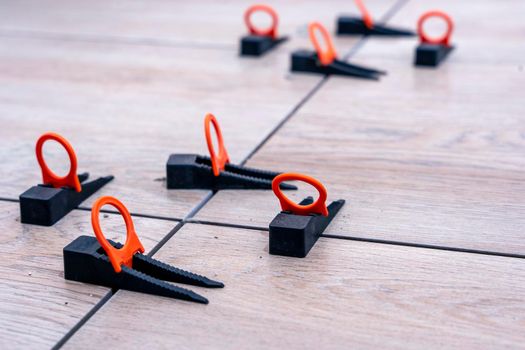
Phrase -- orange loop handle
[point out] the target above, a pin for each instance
(271, 31)
(49, 177)
(367, 18)
(218, 161)
(325, 57)
(443, 40)
(318, 207)
(124, 255)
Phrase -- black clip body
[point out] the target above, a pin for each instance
(307, 61)
(432, 51)
(294, 235)
(86, 261)
(431, 55)
(348, 25)
(192, 171)
(257, 45)
(44, 205)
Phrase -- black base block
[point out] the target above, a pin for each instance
(43, 205)
(306, 61)
(256, 45)
(82, 253)
(348, 25)
(294, 235)
(183, 171)
(191, 171)
(431, 55)
(351, 26)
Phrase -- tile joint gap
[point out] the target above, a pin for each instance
(83, 320)
(116, 40)
(108, 211)
(225, 224)
(139, 215)
(424, 246)
(367, 240)
(13, 200)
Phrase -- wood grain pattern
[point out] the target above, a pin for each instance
(424, 156)
(125, 108)
(38, 306)
(485, 32)
(198, 24)
(343, 295)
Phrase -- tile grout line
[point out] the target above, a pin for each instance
(189, 219)
(426, 246)
(109, 211)
(210, 195)
(287, 117)
(138, 215)
(5, 199)
(115, 40)
(225, 224)
(83, 320)
(370, 240)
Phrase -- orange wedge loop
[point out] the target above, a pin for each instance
(271, 31)
(318, 207)
(218, 161)
(445, 38)
(327, 56)
(49, 177)
(124, 255)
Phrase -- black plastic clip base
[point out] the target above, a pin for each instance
(191, 171)
(86, 261)
(431, 55)
(348, 25)
(307, 62)
(258, 45)
(294, 235)
(45, 205)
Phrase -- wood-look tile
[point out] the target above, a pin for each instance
(343, 295)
